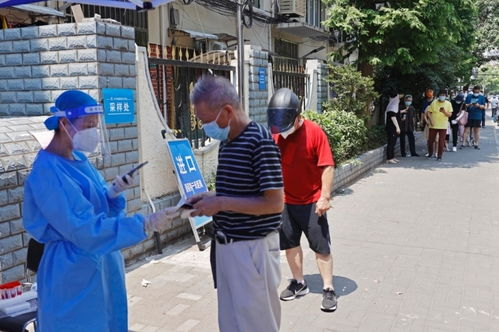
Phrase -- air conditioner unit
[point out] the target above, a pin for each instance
(293, 8)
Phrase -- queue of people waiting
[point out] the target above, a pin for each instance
(449, 122)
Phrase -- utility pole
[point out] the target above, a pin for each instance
(240, 51)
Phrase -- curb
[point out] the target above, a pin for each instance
(350, 172)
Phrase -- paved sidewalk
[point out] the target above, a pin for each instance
(416, 248)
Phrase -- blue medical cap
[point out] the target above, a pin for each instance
(72, 104)
(52, 123)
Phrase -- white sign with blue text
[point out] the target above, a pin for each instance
(189, 177)
(119, 105)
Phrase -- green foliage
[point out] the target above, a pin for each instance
(354, 91)
(487, 34)
(405, 33)
(346, 132)
(376, 137)
(406, 37)
(488, 77)
(445, 74)
(210, 182)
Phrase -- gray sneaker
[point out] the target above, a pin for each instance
(294, 290)
(329, 300)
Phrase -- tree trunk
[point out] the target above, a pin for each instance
(366, 69)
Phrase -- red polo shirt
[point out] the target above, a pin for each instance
(304, 154)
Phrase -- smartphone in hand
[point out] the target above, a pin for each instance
(133, 170)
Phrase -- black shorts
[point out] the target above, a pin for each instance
(474, 124)
(302, 218)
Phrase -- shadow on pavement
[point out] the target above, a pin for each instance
(343, 192)
(342, 285)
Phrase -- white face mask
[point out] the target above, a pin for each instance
(85, 140)
(288, 132)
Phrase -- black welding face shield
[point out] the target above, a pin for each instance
(284, 107)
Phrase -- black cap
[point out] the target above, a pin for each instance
(284, 107)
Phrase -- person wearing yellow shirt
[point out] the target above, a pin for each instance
(437, 117)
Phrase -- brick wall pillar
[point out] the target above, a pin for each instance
(258, 96)
(317, 72)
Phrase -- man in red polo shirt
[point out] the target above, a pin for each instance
(308, 170)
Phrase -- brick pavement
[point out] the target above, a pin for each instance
(415, 249)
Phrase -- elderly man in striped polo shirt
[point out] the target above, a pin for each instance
(246, 210)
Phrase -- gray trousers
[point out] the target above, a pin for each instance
(248, 274)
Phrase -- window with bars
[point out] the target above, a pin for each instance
(286, 48)
(132, 18)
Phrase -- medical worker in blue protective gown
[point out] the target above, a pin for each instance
(81, 221)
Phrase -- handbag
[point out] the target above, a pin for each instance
(464, 119)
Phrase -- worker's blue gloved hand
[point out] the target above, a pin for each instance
(157, 221)
(119, 185)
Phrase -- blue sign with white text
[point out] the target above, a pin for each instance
(119, 106)
(262, 79)
(189, 175)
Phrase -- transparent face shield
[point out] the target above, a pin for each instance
(90, 134)
(281, 119)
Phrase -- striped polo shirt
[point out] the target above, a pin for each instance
(248, 165)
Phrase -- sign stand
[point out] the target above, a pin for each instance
(190, 182)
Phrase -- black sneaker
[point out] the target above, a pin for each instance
(476, 147)
(329, 300)
(294, 290)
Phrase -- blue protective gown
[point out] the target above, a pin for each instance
(81, 278)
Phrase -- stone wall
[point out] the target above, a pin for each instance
(350, 172)
(317, 72)
(38, 63)
(322, 86)
(258, 99)
(17, 151)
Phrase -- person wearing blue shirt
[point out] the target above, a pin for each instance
(475, 104)
(81, 222)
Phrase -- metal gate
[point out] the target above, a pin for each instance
(176, 78)
(290, 73)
